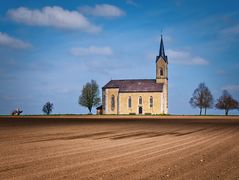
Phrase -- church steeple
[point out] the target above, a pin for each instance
(161, 64)
(161, 51)
(162, 75)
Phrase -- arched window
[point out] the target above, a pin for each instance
(161, 71)
(112, 102)
(140, 100)
(151, 101)
(129, 102)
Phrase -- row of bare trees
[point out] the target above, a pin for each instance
(202, 98)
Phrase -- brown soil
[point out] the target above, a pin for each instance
(106, 148)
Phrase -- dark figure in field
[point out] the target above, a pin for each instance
(16, 112)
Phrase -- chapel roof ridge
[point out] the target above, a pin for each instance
(131, 79)
(135, 85)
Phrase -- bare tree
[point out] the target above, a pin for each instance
(47, 108)
(208, 99)
(202, 98)
(226, 102)
(90, 95)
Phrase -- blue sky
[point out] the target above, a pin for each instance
(50, 49)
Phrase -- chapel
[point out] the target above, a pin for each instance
(139, 96)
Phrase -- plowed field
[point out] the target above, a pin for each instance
(119, 149)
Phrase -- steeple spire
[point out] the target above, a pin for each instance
(161, 50)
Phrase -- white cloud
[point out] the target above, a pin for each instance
(105, 10)
(185, 57)
(6, 40)
(92, 50)
(231, 88)
(53, 17)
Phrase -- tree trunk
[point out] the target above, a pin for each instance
(89, 109)
(226, 112)
(200, 111)
(205, 111)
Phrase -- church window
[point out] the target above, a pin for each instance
(129, 102)
(112, 102)
(161, 71)
(140, 100)
(151, 101)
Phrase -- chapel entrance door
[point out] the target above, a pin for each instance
(140, 110)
